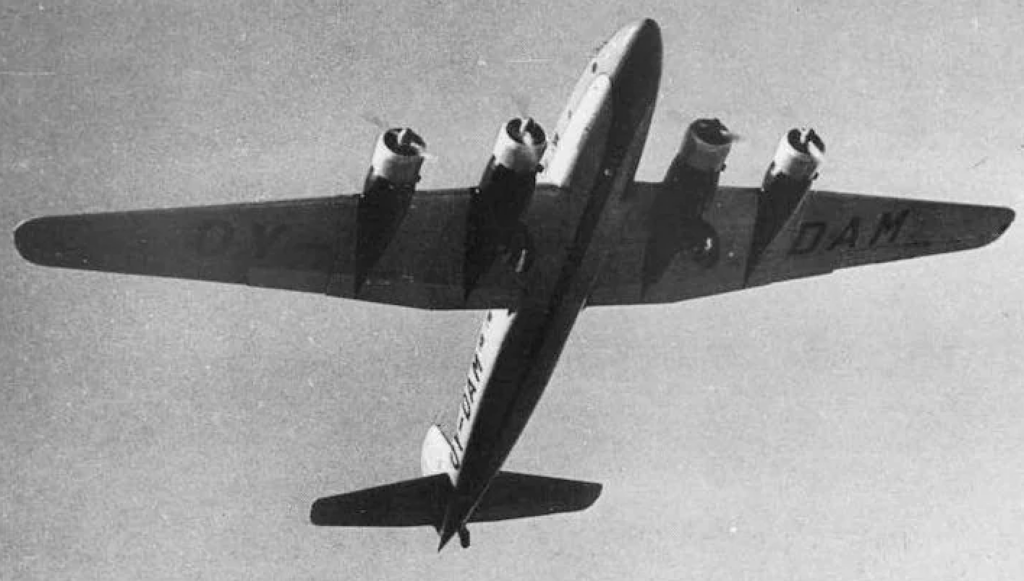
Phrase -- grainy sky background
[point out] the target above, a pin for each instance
(865, 425)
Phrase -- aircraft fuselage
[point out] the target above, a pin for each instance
(595, 152)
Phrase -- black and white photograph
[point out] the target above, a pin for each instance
(511, 290)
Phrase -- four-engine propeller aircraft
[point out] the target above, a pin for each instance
(553, 226)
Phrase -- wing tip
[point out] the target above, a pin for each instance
(321, 513)
(30, 240)
(1007, 216)
(1001, 219)
(989, 223)
(591, 492)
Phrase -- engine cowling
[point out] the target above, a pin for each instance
(797, 158)
(706, 144)
(520, 145)
(791, 172)
(387, 193)
(397, 157)
(497, 204)
(510, 177)
(694, 172)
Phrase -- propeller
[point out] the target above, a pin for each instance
(807, 141)
(526, 131)
(408, 142)
(714, 132)
(375, 120)
(521, 100)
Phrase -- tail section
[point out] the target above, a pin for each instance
(424, 501)
(416, 502)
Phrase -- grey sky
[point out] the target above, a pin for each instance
(864, 425)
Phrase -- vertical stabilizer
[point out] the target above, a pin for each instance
(436, 456)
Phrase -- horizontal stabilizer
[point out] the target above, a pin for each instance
(421, 501)
(410, 503)
(514, 495)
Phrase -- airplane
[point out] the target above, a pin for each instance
(554, 226)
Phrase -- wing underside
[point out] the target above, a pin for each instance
(827, 231)
(289, 245)
(311, 245)
(300, 245)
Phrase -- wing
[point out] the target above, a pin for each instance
(301, 245)
(825, 232)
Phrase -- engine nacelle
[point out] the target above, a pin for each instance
(788, 179)
(387, 193)
(677, 223)
(693, 175)
(493, 223)
(510, 177)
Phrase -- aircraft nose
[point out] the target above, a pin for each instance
(646, 42)
(638, 70)
(647, 28)
(638, 43)
(637, 28)
(640, 32)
